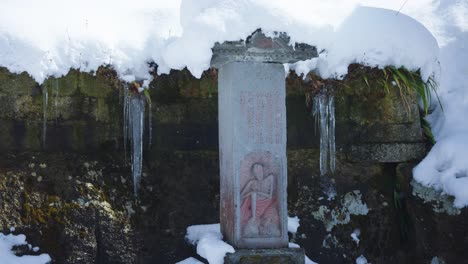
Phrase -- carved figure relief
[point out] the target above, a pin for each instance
(259, 206)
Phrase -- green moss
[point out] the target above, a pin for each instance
(102, 110)
(66, 85)
(15, 84)
(94, 86)
(52, 211)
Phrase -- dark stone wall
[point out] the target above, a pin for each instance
(74, 197)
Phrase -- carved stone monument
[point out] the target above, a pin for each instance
(252, 138)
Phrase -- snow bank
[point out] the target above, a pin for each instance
(8, 257)
(53, 36)
(445, 167)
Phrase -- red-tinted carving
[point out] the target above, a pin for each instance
(259, 174)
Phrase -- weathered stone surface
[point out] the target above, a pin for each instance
(63, 205)
(260, 256)
(252, 132)
(388, 152)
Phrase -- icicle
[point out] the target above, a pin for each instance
(125, 120)
(331, 131)
(150, 126)
(45, 98)
(315, 112)
(137, 111)
(56, 97)
(133, 119)
(323, 111)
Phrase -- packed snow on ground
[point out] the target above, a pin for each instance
(209, 242)
(355, 236)
(307, 259)
(361, 260)
(293, 224)
(210, 245)
(7, 256)
(53, 36)
(190, 261)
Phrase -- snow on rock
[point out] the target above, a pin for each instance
(293, 224)
(53, 36)
(181, 34)
(8, 257)
(387, 40)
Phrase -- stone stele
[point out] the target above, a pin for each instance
(252, 138)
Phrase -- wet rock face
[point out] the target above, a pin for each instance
(75, 200)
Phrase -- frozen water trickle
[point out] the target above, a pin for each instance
(45, 100)
(323, 110)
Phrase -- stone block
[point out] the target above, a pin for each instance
(271, 256)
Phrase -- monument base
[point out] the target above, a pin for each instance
(259, 256)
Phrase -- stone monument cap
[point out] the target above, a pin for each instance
(260, 48)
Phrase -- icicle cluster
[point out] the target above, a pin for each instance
(324, 114)
(134, 112)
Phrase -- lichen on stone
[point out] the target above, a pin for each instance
(441, 203)
(351, 204)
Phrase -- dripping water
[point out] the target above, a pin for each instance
(45, 99)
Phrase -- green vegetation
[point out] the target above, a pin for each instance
(410, 83)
